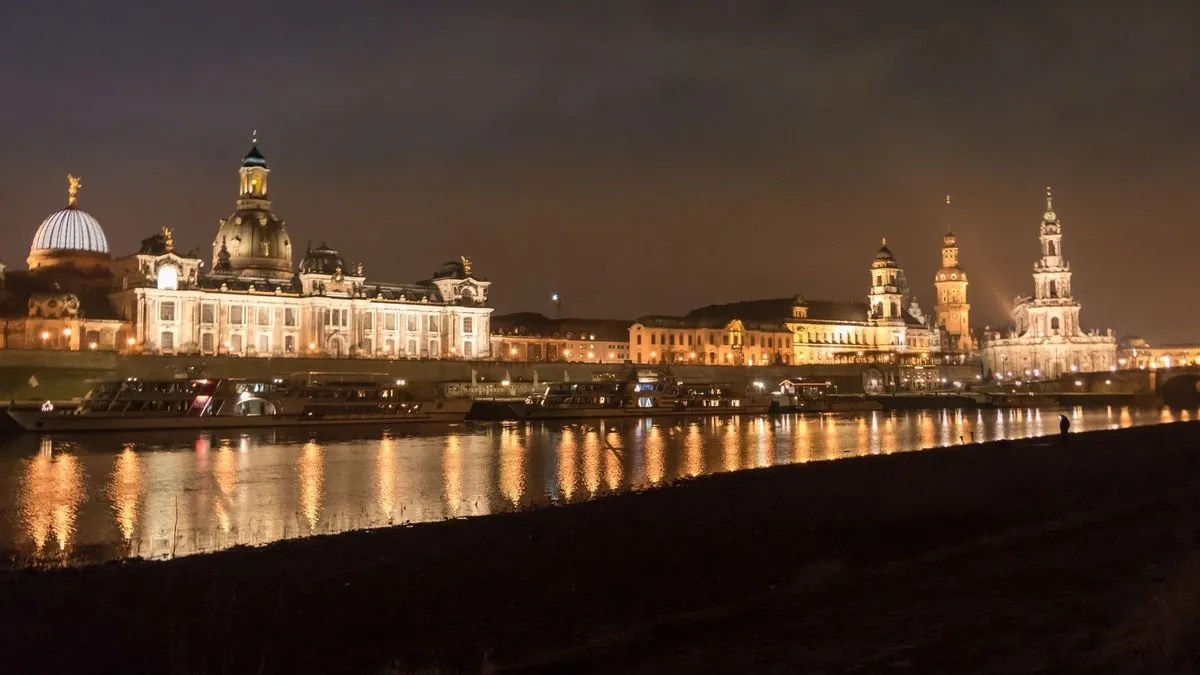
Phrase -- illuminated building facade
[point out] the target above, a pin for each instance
(1136, 352)
(1046, 339)
(795, 330)
(252, 301)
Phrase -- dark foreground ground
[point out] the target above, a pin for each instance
(995, 558)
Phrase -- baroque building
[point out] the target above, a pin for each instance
(797, 331)
(252, 301)
(1046, 338)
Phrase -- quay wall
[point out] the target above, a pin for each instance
(60, 375)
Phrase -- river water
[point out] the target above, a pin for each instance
(80, 499)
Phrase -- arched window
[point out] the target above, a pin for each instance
(1050, 248)
(1054, 325)
(168, 278)
(1053, 289)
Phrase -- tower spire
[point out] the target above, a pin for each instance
(949, 220)
(1049, 198)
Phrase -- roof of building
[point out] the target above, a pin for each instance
(538, 325)
(780, 310)
(254, 157)
(71, 229)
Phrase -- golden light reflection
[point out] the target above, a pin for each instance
(887, 438)
(1166, 415)
(52, 488)
(693, 452)
(568, 469)
(312, 482)
(656, 467)
(1125, 419)
(225, 474)
(829, 430)
(125, 489)
(862, 437)
(613, 471)
(765, 434)
(385, 477)
(591, 462)
(512, 467)
(801, 444)
(926, 430)
(452, 477)
(730, 448)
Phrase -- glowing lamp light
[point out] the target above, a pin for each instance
(504, 383)
(611, 355)
(1108, 382)
(45, 335)
(513, 351)
(1078, 383)
(92, 345)
(131, 342)
(66, 332)
(401, 383)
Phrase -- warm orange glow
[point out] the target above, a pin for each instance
(45, 335)
(67, 332)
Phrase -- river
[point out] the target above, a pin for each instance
(83, 499)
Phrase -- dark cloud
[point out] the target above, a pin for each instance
(634, 156)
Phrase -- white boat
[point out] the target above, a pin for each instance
(581, 400)
(136, 404)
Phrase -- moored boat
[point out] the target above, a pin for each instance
(217, 403)
(645, 396)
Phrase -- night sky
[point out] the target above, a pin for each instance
(635, 157)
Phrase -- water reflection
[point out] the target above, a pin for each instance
(52, 488)
(311, 467)
(125, 489)
(161, 495)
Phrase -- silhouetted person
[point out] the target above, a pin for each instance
(1064, 425)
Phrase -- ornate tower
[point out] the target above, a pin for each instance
(950, 281)
(1053, 311)
(887, 293)
(253, 242)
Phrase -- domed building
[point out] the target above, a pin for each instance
(69, 238)
(253, 242)
(253, 302)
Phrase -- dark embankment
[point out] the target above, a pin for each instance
(970, 559)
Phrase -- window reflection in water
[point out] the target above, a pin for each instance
(568, 471)
(693, 452)
(311, 469)
(188, 495)
(225, 476)
(656, 467)
(452, 476)
(52, 489)
(125, 490)
(385, 478)
(512, 466)
(591, 462)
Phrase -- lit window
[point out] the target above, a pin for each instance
(208, 313)
(166, 311)
(168, 277)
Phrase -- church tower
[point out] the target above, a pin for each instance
(1053, 310)
(253, 242)
(952, 310)
(886, 297)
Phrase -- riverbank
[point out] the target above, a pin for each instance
(998, 557)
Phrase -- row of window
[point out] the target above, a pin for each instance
(262, 316)
(735, 339)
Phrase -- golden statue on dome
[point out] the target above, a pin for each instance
(466, 265)
(168, 239)
(73, 184)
